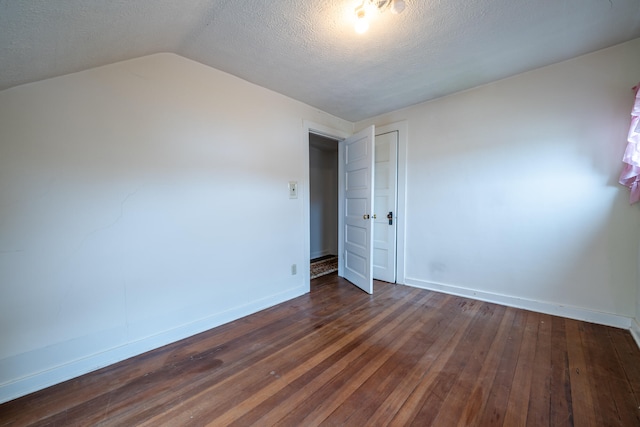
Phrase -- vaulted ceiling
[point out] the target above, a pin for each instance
(308, 50)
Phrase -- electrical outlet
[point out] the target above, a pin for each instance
(294, 269)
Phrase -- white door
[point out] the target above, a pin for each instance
(385, 207)
(357, 190)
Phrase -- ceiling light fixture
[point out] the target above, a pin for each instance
(368, 6)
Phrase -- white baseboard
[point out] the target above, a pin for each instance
(13, 388)
(319, 254)
(635, 331)
(554, 309)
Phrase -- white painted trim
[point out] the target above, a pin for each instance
(30, 383)
(322, 253)
(555, 309)
(403, 139)
(635, 331)
(341, 185)
(318, 129)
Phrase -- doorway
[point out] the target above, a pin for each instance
(336, 137)
(323, 205)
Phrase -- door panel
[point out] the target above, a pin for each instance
(357, 180)
(384, 244)
(358, 197)
(356, 236)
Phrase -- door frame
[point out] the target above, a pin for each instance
(339, 135)
(304, 190)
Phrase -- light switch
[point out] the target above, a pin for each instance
(293, 189)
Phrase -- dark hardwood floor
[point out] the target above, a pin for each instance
(338, 356)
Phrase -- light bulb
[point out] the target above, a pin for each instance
(362, 24)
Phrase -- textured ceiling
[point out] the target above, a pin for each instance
(308, 49)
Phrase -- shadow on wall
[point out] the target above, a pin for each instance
(530, 218)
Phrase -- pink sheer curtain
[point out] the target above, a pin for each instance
(630, 175)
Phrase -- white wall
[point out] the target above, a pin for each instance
(512, 191)
(141, 202)
(323, 201)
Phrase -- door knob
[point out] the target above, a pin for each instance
(390, 218)
(365, 216)
(374, 216)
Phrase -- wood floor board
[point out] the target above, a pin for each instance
(396, 370)
(436, 346)
(560, 407)
(461, 364)
(374, 353)
(495, 408)
(476, 403)
(580, 375)
(343, 377)
(518, 403)
(432, 376)
(338, 356)
(460, 404)
(369, 391)
(341, 335)
(626, 354)
(538, 411)
(616, 402)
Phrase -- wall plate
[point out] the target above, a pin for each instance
(293, 189)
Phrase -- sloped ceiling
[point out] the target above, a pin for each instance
(308, 49)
